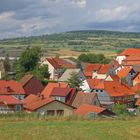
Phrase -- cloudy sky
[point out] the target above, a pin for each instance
(36, 17)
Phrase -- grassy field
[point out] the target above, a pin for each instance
(36, 129)
(74, 43)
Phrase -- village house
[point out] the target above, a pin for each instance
(50, 86)
(126, 74)
(110, 91)
(92, 111)
(131, 61)
(90, 68)
(65, 95)
(12, 88)
(47, 106)
(10, 104)
(85, 98)
(31, 85)
(68, 73)
(131, 53)
(103, 72)
(57, 66)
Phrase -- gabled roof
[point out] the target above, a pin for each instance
(138, 102)
(86, 109)
(31, 98)
(42, 102)
(67, 74)
(95, 83)
(26, 79)
(83, 98)
(62, 92)
(90, 68)
(130, 52)
(115, 89)
(124, 72)
(37, 104)
(10, 100)
(104, 69)
(60, 63)
(11, 87)
(48, 89)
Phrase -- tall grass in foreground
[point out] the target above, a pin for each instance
(37, 117)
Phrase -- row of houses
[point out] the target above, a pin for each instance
(101, 87)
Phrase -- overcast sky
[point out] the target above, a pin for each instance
(36, 17)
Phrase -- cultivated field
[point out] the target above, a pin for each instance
(42, 129)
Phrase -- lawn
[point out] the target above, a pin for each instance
(70, 130)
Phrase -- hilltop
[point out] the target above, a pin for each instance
(74, 43)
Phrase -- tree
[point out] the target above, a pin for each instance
(6, 63)
(74, 81)
(83, 58)
(28, 61)
(41, 72)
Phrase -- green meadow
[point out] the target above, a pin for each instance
(69, 129)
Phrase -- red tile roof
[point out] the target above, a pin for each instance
(48, 89)
(31, 98)
(115, 89)
(34, 105)
(11, 87)
(90, 68)
(130, 63)
(138, 102)
(131, 52)
(104, 69)
(86, 109)
(96, 83)
(124, 72)
(9, 100)
(60, 63)
(37, 104)
(62, 92)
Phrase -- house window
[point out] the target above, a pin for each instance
(18, 108)
(60, 112)
(96, 90)
(58, 98)
(101, 90)
(50, 112)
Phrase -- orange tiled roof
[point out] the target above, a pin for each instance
(9, 100)
(48, 89)
(115, 89)
(86, 109)
(124, 72)
(60, 63)
(90, 68)
(131, 52)
(104, 69)
(37, 104)
(11, 87)
(96, 83)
